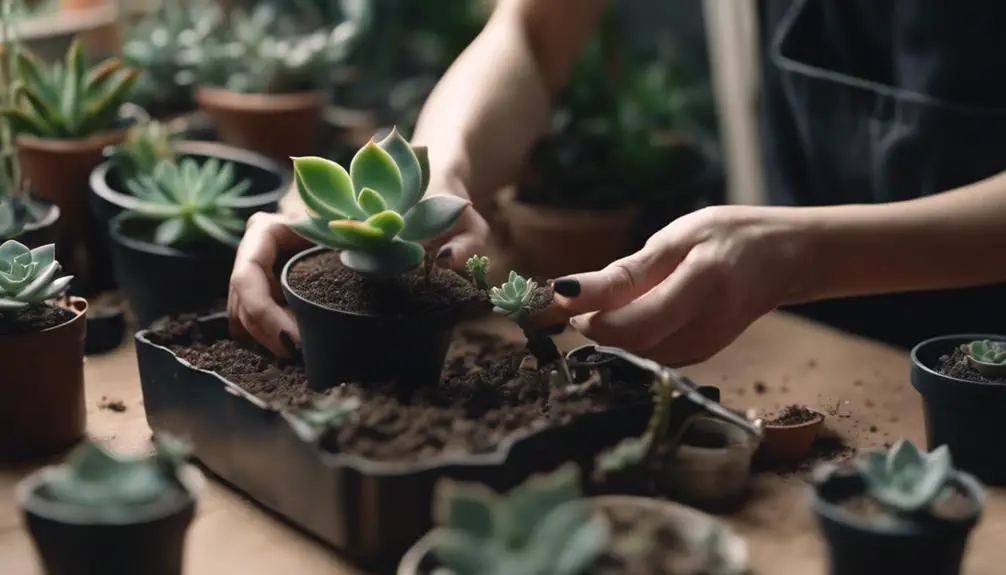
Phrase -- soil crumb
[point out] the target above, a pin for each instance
(956, 365)
(111, 404)
(792, 415)
(484, 396)
(760, 387)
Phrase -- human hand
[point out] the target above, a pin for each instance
(466, 238)
(253, 302)
(696, 285)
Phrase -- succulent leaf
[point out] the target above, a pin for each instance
(410, 169)
(397, 258)
(145, 147)
(326, 188)
(388, 221)
(360, 234)
(906, 479)
(28, 277)
(432, 217)
(987, 351)
(477, 267)
(371, 202)
(373, 167)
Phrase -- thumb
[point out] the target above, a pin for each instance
(470, 239)
(619, 283)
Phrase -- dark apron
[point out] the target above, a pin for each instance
(868, 101)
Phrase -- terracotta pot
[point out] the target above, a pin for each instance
(274, 125)
(693, 526)
(43, 411)
(550, 242)
(60, 170)
(789, 443)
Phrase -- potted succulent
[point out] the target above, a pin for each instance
(896, 511)
(105, 512)
(265, 69)
(546, 525)
(174, 246)
(361, 291)
(63, 117)
(789, 435)
(962, 387)
(41, 347)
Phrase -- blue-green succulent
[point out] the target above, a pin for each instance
(29, 276)
(906, 479)
(512, 298)
(374, 212)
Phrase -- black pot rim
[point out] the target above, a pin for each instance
(355, 462)
(52, 214)
(192, 480)
(945, 340)
(284, 282)
(833, 512)
(100, 186)
(115, 232)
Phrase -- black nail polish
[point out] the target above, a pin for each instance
(568, 287)
(444, 253)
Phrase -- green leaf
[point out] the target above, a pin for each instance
(98, 77)
(169, 232)
(363, 234)
(371, 202)
(395, 259)
(326, 188)
(100, 113)
(215, 231)
(45, 112)
(569, 539)
(423, 155)
(22, 123)
(469, 509)
(317, 231)
(72, 95)
(374, 168)
(409, 168)
(529, 503)
(388, 222)
(904, 455)
(39, 283)
(12, 249)
(31, 73)
(432, 217)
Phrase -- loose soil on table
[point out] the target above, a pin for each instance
(667, 553)
(483, 398)
(828, 446)
(956, 365)
(322, 279)
(34, 319)
(792, 415)
(956, 505)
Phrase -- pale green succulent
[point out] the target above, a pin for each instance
(540, 527)
(190, 201)
(67, 100)
(115, 485)
(147, 145)
(477, 267)
(512, 298)
(906, 479)
(28, 276)
(987, 351)
(375, 212)
(321, 416)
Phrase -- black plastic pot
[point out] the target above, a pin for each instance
(582, 363)
(43, 228)
(69, 544)
(340, 346)
(105, 330)
(269, 180)
(371, 511)
(856, 547)
(964, 415)
(160, 281)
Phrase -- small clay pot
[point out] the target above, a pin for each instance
(857, 546)
(43, 411)
(692, 525)
(275, 125)
(551, 242)
(70, 543)
(340, 346)
(788, 444)
(706, 475)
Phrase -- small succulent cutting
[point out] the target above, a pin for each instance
(477, 266)
(28, 277)
(68, 99)
(146, 146)
(905, 479)
(637, 451)
(540, 527)
(513, 297)
(987, 356)
(374, 212)
(97, 481)
(190, 201)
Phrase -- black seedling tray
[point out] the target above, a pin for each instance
(370, 511)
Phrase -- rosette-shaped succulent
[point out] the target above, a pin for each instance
(28, 277)
(512, 298)
(906, 479)
(477, 267)
(987, 351)
(375, 212)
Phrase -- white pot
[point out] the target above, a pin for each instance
(709, 475)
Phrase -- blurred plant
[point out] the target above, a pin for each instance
(323, 415)
(477, 266)
(635, 452)
(270, 51)
(905, 479)
(147, 145)
(513, 297)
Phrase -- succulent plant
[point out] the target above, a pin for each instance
(146, 146)
(477, 267)
(321, 416)
(115, 485)
(540, 527)
(512, 298)
(634, 451)
(10, 226)
(906, 479)
(190, 201)
(67, 100)
(987, 351)
(28, 276)
(374, 212)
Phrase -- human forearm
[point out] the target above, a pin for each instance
(936, 242)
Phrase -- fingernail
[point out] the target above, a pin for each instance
(574, 322)
(568, 287)
(444, 253)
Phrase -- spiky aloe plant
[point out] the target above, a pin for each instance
(147, 145)
(28, 276)
(375, 212)
(67, 99)
(190, 201)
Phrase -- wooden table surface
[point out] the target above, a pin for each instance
(864, 386)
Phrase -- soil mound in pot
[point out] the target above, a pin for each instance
(34, 319)
(483, 398)
(957, 365)
(792, 415)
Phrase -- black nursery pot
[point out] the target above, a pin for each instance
(153, 544)
(43, 229)
(340, 346)
(164, 281)
(855, 547)
(963, 415)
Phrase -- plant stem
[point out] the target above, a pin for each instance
(543, 348)
(427, 266)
